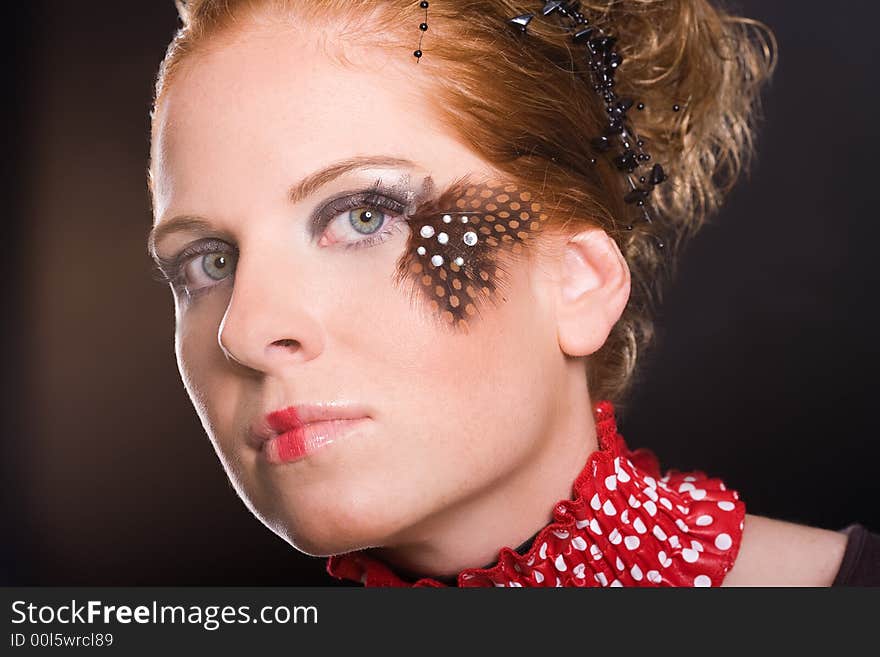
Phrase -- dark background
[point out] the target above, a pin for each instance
(764, 376)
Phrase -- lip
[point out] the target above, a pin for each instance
(294, 432)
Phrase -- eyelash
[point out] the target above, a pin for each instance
(170, 270)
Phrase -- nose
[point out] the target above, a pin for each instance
(270, 321)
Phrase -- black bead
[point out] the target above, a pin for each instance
(635, 196)
(626, 161)
(642, 179)
(423, 26)
(614, 60)
(418, 53)
(657, 175)
(675, 108)
(423, 4)
(601, 144)
(640, 106)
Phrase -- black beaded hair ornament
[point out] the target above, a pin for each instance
(619, 140)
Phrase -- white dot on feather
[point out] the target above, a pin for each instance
(459, 261)
(421, 250)
(469, 238)
(427, 231)
(437, 260)
(443, 238)
(447, 218)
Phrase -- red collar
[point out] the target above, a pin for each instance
(624, 526)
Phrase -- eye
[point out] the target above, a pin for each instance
(205, 265)
(359, 221)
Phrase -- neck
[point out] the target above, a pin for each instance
(509, 511)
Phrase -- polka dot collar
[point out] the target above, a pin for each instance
(625, 525)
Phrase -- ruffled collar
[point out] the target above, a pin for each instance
(624, 525)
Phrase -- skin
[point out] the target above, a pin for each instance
(472, 437)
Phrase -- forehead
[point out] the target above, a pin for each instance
(272, 103)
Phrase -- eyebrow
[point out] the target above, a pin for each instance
(297, 193)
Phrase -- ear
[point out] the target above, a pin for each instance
(593, 289)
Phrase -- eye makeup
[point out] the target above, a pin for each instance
(461, 242)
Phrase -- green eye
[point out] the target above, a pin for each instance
(218, 265)
(366, 220)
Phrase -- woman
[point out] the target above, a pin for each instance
(414, 249)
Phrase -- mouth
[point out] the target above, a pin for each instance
(295, 432)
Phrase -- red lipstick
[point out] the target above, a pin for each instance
(294, 432)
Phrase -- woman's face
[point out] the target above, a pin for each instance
(277, 317)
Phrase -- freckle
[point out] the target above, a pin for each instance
(470, 309)
(502, 198)
(513, 224)
(447, 316)
(506, 238)
(454, 266)
(522, 235)
(517, 248)
(486, 193)
(504, 214)
(416, 267)
(486, 292)
(453, 301)
(489, 218)
(472, 293)
(470, 191)
(536, 207)
(524, 216)
(463, 326)
(535, 225)
(491, 207)
(434, 305)
(485, 230)
(461, 203)
(443, 274)
(491, 241)
(475, 203)
(515, 206)
(426, 280)
(542, 216)
(500, 228)
(439, 291)
(456, 283)
(510, 187)
(484, 275)
(525, 196)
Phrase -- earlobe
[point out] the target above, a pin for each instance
(594, 288)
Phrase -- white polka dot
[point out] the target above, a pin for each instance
(618, 563)
(650, 492)
(683, 509)
(594, 527)
(539, 576)
(447, 218)
(633, 502)
(624, 516)
(686, 487)
(690, 478)
(665, 561)
(595, 502)
(636, 573)
(500, 584)
(683, 527)
(615, 537)
(580, 524)
(696, 545)
(595, 551)
(542, 551)
(601, 578)
(650, 482)
(690, 555)
(558, 583)
(464, 220)
(559, 562)
(666, 503)
(421, 250)
(561, 533)
(578, 543)
(698, 494)
(651, 508)
(470, 238)
(608, 508)
(673, 541)
(427, 231)
(704, 520)
(654, 576)
(578, 571)
(659, 533)
(723, 541)
(702, 580)
(437, 260)
(443, 238)
(611, 482)
(726, 506)
(631, 542)
(623, 476)
(616, 583)
(639, 526)
(514, 584)
(459, 261)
